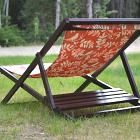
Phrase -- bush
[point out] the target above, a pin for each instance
(31, 36)
(10, 36)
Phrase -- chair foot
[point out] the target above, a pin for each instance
(4, 101)
(135, 103)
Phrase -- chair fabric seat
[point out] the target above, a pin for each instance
(89, 49)
(84, 51)
(20, 69)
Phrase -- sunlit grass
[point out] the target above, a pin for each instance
(24, 111)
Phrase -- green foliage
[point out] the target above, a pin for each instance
(0, 13)
(36, 27)
(101, 9)
(73, 8)
(1, 3)
(10, 35)
(37, 19)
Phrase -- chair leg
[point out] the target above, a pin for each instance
(97, 82)
(90, 79)
(45, 81)
(24, 86)
(129, 75)
(20, 81)
(83, 86)
(11, 92)
(136, 103)
(8, 96)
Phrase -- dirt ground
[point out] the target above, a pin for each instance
(31, 132)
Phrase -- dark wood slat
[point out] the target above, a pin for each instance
(107, 112)
(88, 92)
(97, 103)
(76, 21)
(89, 99)
(90, 95)
(133, 108)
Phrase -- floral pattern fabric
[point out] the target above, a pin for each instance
(86, 50)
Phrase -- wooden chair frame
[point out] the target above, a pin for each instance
(49, 99)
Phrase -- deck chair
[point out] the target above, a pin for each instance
(89, 46)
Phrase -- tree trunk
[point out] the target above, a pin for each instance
(121, 7)
(89, 8)
(0, 13)
(113, 8)
(6, 10)
(130, 8)
(0, 19)
(57, 19)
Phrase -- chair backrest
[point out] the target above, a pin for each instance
(89, 48)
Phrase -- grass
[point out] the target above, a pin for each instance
(26, 118)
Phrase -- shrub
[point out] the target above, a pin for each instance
(10, 36)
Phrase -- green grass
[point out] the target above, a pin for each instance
(26, 118)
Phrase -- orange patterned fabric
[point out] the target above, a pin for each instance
(85, 51)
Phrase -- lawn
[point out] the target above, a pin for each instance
(26, 118)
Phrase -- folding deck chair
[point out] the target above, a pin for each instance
(89, 46)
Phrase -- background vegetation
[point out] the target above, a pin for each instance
(25, 118)
(28, 21)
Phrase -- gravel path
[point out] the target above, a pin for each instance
(32, 50)
(26, 51)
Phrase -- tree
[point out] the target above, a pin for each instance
(89, 8)
(57, 13)
(73, 8)
(101, 9)
(15, 8)
(6, 11)
(44, 10)
(6, 7)
(121, 8)
(38, 18)
(137, 11)
(0, 14)
(0, 19)
(125, 8)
